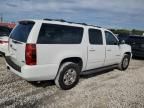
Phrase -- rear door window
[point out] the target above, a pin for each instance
(22, 30)
(59, 34)
(95, 37)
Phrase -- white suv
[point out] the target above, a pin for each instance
(61, 51)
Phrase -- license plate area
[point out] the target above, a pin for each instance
(13, 49)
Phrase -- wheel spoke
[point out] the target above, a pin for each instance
(125, 62)
(69, 77)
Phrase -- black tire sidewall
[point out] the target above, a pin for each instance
(62, 73)
(126, 56)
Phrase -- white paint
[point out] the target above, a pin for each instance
(49, 56)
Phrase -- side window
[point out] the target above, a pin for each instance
(110, 39)
(95, 37)
(59, 34)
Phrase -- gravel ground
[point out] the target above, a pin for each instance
(113, 89)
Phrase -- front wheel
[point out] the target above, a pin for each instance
(124, 63)
(68, 76)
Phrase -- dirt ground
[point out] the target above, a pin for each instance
(113, 89)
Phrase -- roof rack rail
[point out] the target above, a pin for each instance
(61, 20)
(94, 26)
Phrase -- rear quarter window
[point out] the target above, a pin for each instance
(59, 34)
(22, 30)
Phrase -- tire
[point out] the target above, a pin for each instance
(68, 76)
(124, 63)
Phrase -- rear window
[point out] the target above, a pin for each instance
(59, 34)
(22, 30)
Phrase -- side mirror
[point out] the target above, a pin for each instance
(122, 42)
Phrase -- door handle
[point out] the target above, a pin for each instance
(92, 49)
(109, 50)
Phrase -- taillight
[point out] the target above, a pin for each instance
(30, 54)
(2, 42)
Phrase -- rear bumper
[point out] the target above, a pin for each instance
(3, 49)
(33, 73)
(12, 64)
(2, 53)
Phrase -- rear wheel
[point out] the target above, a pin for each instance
(125, 62)
(68, 76)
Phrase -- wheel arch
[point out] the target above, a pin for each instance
(77, 60)
(128, 53)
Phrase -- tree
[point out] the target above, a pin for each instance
(137, 32)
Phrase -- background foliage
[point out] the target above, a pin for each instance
(128, 32)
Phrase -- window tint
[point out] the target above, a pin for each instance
(110, 39)
(95, 36)
(22, 30)
(59, 34)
